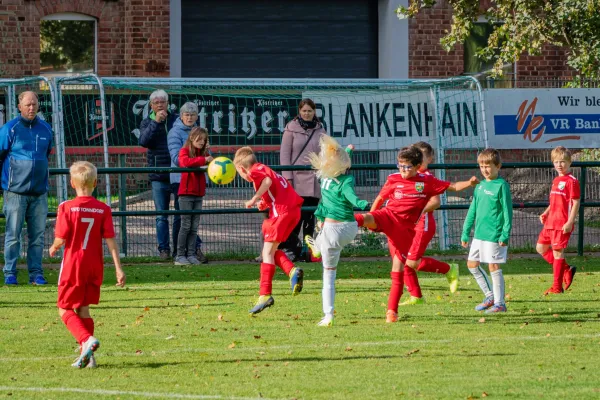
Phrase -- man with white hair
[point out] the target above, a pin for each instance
(25, 145)
(153, 136)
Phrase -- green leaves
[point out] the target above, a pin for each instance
(525, 27)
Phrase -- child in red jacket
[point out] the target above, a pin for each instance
(192, 188)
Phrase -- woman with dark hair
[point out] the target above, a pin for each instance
(300, 138)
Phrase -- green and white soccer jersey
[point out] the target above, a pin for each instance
(339, 199)
(490, 212)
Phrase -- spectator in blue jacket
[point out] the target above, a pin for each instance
(25, 146)
(188, 117)
(153, 136)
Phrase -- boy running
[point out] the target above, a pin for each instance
(558, 220)
(424, 232)
(491, 211)
(335, 212)
(273, 191)
(407, 194)
(81, 224)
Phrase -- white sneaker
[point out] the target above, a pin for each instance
(326, 321)
(87, 352)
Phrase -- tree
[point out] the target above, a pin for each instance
(525, 26)
(67, 43)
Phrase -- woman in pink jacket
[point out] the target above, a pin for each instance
(301, 137)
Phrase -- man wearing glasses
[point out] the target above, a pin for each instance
(153, 136)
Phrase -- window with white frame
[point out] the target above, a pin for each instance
(68, 44)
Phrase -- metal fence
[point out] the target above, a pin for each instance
(227, 229)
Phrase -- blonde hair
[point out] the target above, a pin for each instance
(332, 160)
(560, 152)
(244, 157)
(489, 156)
(83, 173)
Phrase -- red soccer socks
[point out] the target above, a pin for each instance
(267, 271)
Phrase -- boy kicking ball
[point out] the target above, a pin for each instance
(407, 193)
(81, 224)
(273, 191)
(558, 220)
(491, 211)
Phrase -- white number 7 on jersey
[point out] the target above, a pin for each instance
(90, 222)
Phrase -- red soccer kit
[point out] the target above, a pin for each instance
(565, 189)
(424, 232)
(281, 199)
(406, 199)
(83, 222)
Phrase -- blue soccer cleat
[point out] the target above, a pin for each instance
(296, 280)
(87, 352)
(10, 280)
(496, 309)
(487, 303)
(262, 303)
(38, 280)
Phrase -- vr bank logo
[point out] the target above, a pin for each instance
(552, 127)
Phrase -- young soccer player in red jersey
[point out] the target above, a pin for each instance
(424, 232)
(81, 224)
(407, 194)
(558, 220)
(273, 191)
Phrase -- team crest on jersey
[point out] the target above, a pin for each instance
(397, 194)
(561, 185)
(419, 186)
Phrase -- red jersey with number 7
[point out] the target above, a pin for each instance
(83, 222)
(565, 189)
(281, 196)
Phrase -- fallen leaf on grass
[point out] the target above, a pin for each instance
(170, 337)
(484, 394)
(412, 352)
(146, 308)
(481, 320)
(139, 352)
(232, 345)
(220, 317)
(257, 337)
(555, 315)
(348, 348)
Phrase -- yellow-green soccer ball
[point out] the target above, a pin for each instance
(221, 171)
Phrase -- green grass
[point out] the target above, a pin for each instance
(185, 331)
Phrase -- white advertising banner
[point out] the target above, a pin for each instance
(543, 118)
(386, 120)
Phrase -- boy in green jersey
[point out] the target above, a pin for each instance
(491, 212)
(335, 212)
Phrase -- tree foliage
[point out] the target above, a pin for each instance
(525, 26)
(67, 43)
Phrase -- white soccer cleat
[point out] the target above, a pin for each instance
(326, 321)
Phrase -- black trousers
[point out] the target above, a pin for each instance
(307, 224)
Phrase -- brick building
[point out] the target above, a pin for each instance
(238, 38)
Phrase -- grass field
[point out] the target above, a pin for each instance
(185, 333)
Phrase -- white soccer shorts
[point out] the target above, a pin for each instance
(334, 236)
(487, 252)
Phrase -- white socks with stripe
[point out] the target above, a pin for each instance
(483, 281)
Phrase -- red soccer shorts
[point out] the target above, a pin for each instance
(554, 237)
(419, 244)
(70, 297)
(399, 233)
(278, 228)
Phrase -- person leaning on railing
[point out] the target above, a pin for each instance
(153, 136)
(300, 138)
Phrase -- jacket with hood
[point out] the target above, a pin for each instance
(175, 140)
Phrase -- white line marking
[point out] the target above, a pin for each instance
(129, 393)
(239, 349)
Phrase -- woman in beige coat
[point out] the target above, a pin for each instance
(301, 137)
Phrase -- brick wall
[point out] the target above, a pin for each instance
(133, 36)
(428, 59)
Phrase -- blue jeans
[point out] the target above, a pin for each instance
(161, 194)
(177, 222)
(17, 210)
